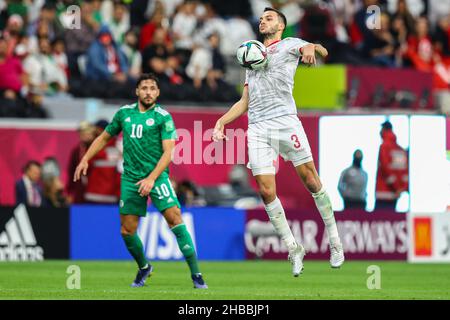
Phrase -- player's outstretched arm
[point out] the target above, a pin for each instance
(321, 50)
(238, 109)
(98, 144)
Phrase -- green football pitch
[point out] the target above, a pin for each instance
(249, 280)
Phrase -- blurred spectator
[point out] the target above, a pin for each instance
(183, 26)
(50, 169)
(317, 24)
(12, 76)
(353, 183)
(77, 189)
(28, 190)
(59, 55)
(96, 11)
(392, 173)
(103, 179)
(134, 57)
(206, 69)
(13, 32)
(230, 8)
(188, 194)
(403, 13)
(441, 38)
(437, 9)
(238, 30)
(400, 36)
(158, 20)
(140, 11)
(379, 45)
(42, 31)
(358, 30)
(79, 40)
(424, 58)
(45, 74)
(105, 60)
(54, 194)
(47, 19)
(118, 21)
(34, 107)
(160, 59)
(239, 181)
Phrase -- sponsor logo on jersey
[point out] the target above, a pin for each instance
(150, 122)
(18, 242)
(170, 126)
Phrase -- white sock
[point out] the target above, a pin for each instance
(323, 204)
(278, 218)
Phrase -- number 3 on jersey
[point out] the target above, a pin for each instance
(136, 131)
(296, 141)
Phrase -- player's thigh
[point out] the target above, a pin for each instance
(261, 154)
(131, 202)
(163, 195)
(294, 144)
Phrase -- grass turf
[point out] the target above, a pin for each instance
(249, 280)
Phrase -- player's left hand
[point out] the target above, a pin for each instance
(309, 54)
(145, 186)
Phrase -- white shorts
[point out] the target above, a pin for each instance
(283, 136)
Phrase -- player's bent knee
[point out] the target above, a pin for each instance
(173, 216)
(267, 193)
(126, 232)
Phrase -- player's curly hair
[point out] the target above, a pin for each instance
(147, 76)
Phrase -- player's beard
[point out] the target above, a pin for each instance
(270, 33)
(147, 105)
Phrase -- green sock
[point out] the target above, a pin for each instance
(136, 249)
(186, 246)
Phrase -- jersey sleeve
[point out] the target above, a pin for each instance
(295, 45)
(168, 130)
(115, 126)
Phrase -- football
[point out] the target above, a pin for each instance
(252, 55)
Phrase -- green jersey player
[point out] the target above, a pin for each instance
(148, 141)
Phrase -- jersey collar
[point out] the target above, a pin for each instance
(276, 41)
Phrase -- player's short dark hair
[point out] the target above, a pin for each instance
(280, 15)
(29, 164)
(147, 76)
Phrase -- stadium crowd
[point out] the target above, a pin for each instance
(190, 44)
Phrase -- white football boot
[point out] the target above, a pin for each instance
(296, 258)
(337, 255)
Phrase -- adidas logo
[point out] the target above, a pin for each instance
(18, 242)
(170, 200)
(186, 247)
(128, 119)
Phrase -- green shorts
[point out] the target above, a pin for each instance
(163, 196)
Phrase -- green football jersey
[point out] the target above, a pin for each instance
(143, 133)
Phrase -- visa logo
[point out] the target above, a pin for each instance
(159, 241)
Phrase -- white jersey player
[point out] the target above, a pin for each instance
(274, 129)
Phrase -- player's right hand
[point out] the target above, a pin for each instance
(218, 132)
(81, 169)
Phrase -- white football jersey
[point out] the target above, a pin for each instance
(270, 89)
